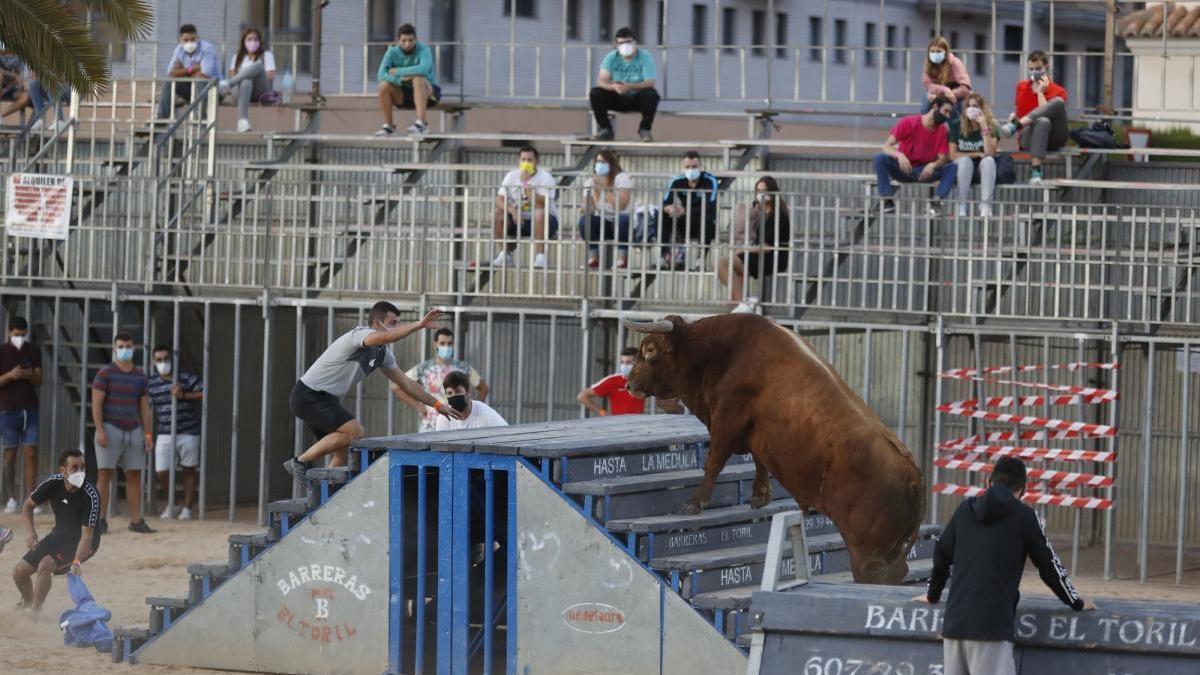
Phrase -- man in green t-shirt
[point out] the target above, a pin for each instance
(626, 84)
(407, 79)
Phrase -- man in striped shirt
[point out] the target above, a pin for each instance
(75, 537)
(178, 394)
(121, 415)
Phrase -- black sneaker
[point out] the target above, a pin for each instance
(605, 134)
(887, 205)
(103, 526)
(934, 210)
(297, 468)
(141, 528)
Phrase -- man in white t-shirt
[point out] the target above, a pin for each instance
(524, 206)
(476, 414)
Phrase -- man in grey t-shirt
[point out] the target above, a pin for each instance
(316, 398)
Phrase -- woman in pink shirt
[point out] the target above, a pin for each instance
(944, 74)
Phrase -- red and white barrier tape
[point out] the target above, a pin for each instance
(965, 373)
(1061, 479)
(1021, 401)
(1032, 498)
(1040, 454)
(1083, 428)
(1065, 388)
(1000, 436)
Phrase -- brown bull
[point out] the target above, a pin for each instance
(759, 387)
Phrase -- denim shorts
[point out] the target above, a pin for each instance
(18, 427)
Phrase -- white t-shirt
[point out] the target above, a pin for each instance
(541, 180)
(482, 415)
(623, 181)
(268, 60)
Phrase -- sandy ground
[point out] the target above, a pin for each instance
(130, 567)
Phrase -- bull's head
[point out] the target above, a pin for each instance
(655, 372)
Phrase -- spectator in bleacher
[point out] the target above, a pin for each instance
(192, 59)
(407, 79)
(973, 141)
(180, 392)
(689, 210)
(525, 205)
(476, 414)
(12, 84)
(944, 75)
(917, 151)
(607, 193)
(626, 84)
(431, 372)
(760, 237)
(251, 74)
(1041, 114)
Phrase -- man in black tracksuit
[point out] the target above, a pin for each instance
(987, 541)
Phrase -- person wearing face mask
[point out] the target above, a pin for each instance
(175, 396)
(689, 210)
(607, 193)
(75, 537)
(944, 75)
(476, 414)
(973, 140)
(761, 239)
(525, 206)
(917, 151)
(20, 376)
(1041, 114)
(612, 388)
(625, 84)
(407, 79)
(192, 59)
(251, 73)
(121, 416)
(430, 374)
(316, 397)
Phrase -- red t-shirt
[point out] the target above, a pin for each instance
(920, 145)
(620, 401)
(1027, 98)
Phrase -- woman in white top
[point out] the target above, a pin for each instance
(605, 218)
(251, 73)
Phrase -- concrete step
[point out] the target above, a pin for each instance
(127, 639)
(205, 578)
(245, 547)
(748, 530)
(164, 611)
(707, 518)
(655, 481)
(285, 513)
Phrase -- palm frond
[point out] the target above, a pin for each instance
(133, 19)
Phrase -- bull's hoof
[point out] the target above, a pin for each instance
(691, 508)
(760, 498)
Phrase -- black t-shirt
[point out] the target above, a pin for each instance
(72, 510)
(18, 394)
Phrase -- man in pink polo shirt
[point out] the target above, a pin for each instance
(917, 151)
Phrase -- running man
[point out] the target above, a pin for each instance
(76, 533)
(316, 398)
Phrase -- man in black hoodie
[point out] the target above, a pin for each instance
(987, 541)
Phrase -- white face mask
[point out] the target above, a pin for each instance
(691, 174)
(974, 112)
(937, 57)
(18, 341)
(625, 369)
(626, 49)
(163, 368)
(191, 47)
(76, 479)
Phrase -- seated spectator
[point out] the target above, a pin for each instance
(626, 84)
(525, 205)
(760, 237)
(973, 150)
(916, 151)
(192, 59)
(1041, 114)
(476, 414)
(407, 79)
(605, 218)
(41, 97)
(944, 75)
(251, 73)
(689, 209)
(12, 84)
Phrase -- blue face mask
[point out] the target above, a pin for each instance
(124, 354)
(625, 368)
(445, 352)
(937, 57)
(691, 174)
(601, 168)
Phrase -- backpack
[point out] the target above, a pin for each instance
(270, 97)
(1099, 135)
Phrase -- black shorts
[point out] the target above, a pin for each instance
(407, 100)
(320, 411)
(60, 547)
(526, 229)
(755, 263)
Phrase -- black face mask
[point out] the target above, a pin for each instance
(938, 117)
(458, 402)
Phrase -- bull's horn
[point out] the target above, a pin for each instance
(661, 326)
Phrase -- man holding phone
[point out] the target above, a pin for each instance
(20, 375)
(1041, 114)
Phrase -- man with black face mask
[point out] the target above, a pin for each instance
(475, 414)
(918, 151)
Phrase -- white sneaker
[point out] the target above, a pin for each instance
(166, 515)
(60, 125)
(223, 87)
(37, 126)
(243, 126)
(38, 510)
(503, 260)
(985, 210)
(418, 127)
(539, 261)
(385, 130)
(185, 514)
(747, 306)
(11, 506)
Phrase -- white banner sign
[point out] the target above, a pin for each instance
(38, 205)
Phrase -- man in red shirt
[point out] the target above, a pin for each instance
(1041, 114)
(620, 401)
(917, 151)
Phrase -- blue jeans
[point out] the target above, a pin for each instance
(41, 98)
(594, 228)
(19, 427)
(887, 168)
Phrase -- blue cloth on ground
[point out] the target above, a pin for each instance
(85, 625)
